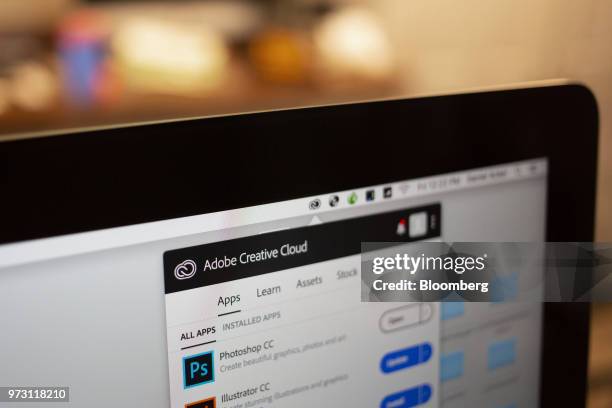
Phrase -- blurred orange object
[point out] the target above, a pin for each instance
(351, 44)
(83, 25)
(33, 86)
(281, 56)
(155, 55)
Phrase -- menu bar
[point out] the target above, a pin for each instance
(57, 247)
(224, 261)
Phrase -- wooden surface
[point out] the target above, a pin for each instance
(600, 361)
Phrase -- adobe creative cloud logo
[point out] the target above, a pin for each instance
(185, 270)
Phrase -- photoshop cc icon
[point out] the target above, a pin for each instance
(198, 369)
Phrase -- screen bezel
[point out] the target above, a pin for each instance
(99, 179)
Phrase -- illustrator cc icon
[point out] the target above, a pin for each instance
(185, 270)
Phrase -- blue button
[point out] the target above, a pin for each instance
(424, 394)
(408, 357)
(408, 398)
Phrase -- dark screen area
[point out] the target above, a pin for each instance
(108, 178)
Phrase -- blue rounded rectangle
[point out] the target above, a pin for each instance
(405, 358)
(408, 398)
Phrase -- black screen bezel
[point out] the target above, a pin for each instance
(87, 181)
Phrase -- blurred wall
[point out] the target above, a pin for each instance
(445, 45)
(31, 15)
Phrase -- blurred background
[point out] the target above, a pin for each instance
(75, 63)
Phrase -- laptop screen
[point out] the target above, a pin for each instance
(260, 306)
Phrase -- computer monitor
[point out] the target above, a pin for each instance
(215, 262)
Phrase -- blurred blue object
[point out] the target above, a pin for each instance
(82, 51)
